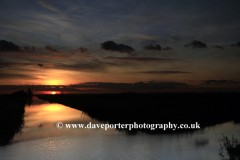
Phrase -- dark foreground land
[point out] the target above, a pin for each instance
(181, 108)
(12, 115)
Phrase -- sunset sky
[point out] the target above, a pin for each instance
(116, 46)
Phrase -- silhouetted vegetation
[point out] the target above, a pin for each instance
(180, 108)
(232, 147)
(12, 115)
(30, 93)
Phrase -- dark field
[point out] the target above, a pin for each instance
(182, 108)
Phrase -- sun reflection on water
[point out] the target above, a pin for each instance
(47, 115)
(54, 107)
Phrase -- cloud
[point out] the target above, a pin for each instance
(167, 49)
(40, 65)
(19, 66)
(50, 49)
(83, 50)
(220, 47)
(143, 36)
(164, 72)
(37, 87)
(4, 65)
(46, 4)
(89, 66)
(28, 49)
(157, 47)
(196, 44)
(150, 86)
(236, 44)
(142, 59)
(208, 82)
(176, 37)
(112, 46)
(8, 65)
(15, 76)
(8, 46)
(79, 50)
(39, 55)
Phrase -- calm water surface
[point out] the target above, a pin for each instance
(41, 139)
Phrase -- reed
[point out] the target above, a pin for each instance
(232, 146)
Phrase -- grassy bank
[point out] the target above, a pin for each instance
(205, 108)
(12, 115)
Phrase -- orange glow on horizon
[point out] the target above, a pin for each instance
(60, 77)
(53, 82)
(49, 92)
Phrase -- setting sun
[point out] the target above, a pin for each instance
(53, 92)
